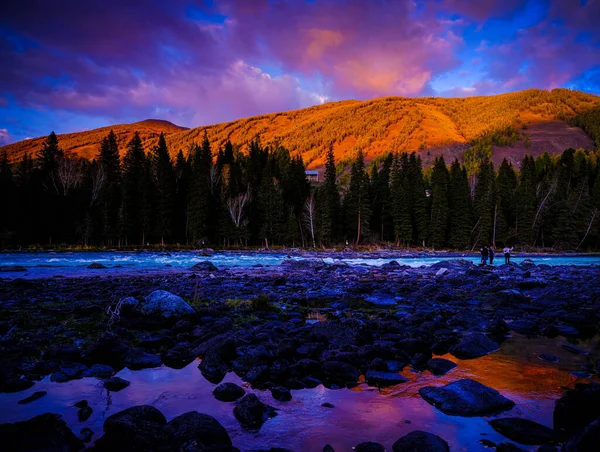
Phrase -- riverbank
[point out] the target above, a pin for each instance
(297, 330)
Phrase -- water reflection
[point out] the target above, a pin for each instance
(360, 414)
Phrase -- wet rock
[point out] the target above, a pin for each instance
(474, 345)
(205, 266)
(466, 397)
(526, 327)
(98, 371)
(84, 413)
(222, 346)
(166, 305)
(179, 356)
(418, 440)
(228, 392)
(96, 266)
(86, 435)
(116, 384)
(497, 327)
(138, 359)
(280, 393)
(577, 408)
(81, 404)
(369, 447)
(252, 413)
(344, 332)
(67, 372)
(419, 361)
(109, 349)
(47, 432)
(384, 379)
(328, 405)
(339, 372)
(548, 358)
(32, 398)
(198, 430)
(63, 353)
(328, 448)
(213, 368)
(506, 298)
(573, 349)
(524, 431)
(139, 428)
(585, 441)
(440, 366)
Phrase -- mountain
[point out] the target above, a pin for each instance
(86, 144)
(499, 124)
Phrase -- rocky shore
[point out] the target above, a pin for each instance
(297, 325)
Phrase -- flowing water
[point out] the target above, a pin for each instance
(50, 264)
(360, 414)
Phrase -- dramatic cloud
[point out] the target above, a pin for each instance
(196, 62)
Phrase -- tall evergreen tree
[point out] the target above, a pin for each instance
(440, 179)
(418, 200)
(399, 201)
(199, 201)
(182, 185)
(271, 205)
(526, 201)
(7, 199)
(506, 183)
(49, 158)
(329, 201)
(485, 204)
(164, 181)
(381, 220)
(357, 199)
(110, 194)
(459, 201)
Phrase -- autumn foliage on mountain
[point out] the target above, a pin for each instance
(507, 125)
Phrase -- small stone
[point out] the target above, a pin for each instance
(86, 435)
(440, 366)
(84, 413)
(81, 404)
(369, 447)
(418, 440)
(548, 358)
(228, 392)
(280, 393)
(328, 405)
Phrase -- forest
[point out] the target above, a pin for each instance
(260, 197)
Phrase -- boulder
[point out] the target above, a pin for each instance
(585, 441)
(46, 432)
(199, 429)
(84, 413)
(524, 431)
(339, 372)
(384, 379)
(98, 371)
(32, 398)
(418, 440)
(344, 332)
(252, 413)
(204, 266)
(474, 345)
(577, 408)
(466, 397)
(506, 298)
(109, 349)
(139, 428)
(138, 359)
(115, 384)
(281, 393)
(440, 366)
(96, 266)
(369, 447)
(228, 392)
(166, 305)
(68, 371)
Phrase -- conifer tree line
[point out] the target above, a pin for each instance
(261, 197)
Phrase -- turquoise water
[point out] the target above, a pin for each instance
(49, 264)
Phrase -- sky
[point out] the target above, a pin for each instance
(72, 65)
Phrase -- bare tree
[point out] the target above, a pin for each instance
(69, 174)
(236, 206)
(98, 181)
(309, 216)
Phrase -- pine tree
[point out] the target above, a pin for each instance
(399, 203)
(381, 221)
(164, 182)
(110, 193)
(459, 201)
(485, 204)
(506, 183)
(182, 186)
(329, 201)
(198, 207)
(526, 201)
(271, 207)
(357, 199)
(440, 179)
(418, 200)
(7, 198)
(48, 160)
(135, 208)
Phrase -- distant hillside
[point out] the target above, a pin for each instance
(86, 144)
(429, 125)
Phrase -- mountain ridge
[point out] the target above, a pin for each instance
(429, 125)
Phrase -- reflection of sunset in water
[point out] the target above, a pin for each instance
(361, 414)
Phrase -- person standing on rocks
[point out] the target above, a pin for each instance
(492, 254)
(484, 255)
(507, 252)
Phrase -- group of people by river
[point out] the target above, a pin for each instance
(488, 252)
